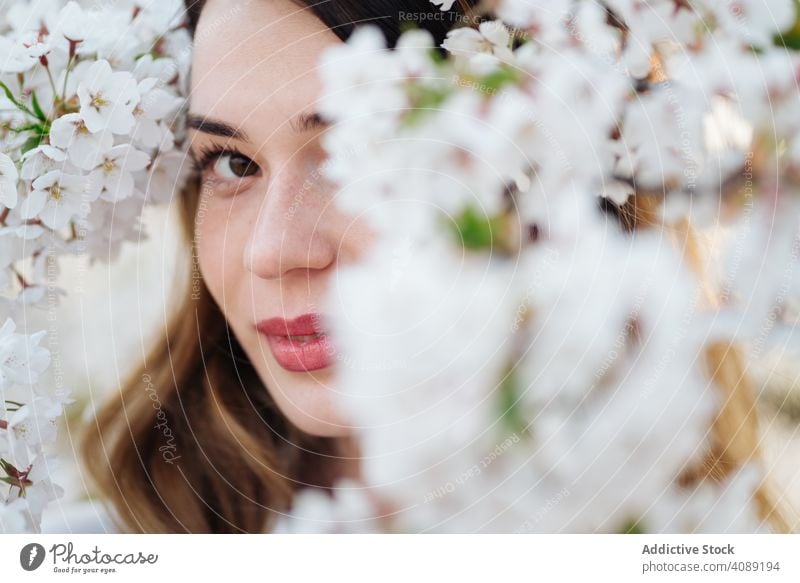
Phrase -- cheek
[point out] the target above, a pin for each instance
(220, 236)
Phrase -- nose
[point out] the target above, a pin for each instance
(294, 230)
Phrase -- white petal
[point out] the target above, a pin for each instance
(63, 130)
(8, 182)
(47, 180)
(33, 204)
(87, 151)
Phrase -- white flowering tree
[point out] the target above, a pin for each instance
(89, 135)
(512, 359)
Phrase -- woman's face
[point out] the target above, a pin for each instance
(268, 236)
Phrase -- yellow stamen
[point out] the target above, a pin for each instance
(98, 101)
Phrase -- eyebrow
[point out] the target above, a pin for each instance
(302, 122)
(307, 121)
(214, 127)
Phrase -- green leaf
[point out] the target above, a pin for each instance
(477, 230)
(791, 37)
(9, 94)
(496, 79)
(424, 99)
(633, 527)
(19, 105)
(509, 403)
(8, 468)
(790, 40)
(37, 109)
(407, 25)
(32, 142)
(437, 56)
(30, 127)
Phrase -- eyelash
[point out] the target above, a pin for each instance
(210, 154)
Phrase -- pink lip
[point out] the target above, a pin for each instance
(294, 354)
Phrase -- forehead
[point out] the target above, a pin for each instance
(255, 54)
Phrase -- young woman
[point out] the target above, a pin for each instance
(233, 412)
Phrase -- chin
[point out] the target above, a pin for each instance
(320, 425)
(307, 400)
(322, 429)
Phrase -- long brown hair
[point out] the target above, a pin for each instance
(194, 443)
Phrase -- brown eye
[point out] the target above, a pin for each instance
(232, 166)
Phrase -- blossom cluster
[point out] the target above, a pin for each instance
(90, 133)
(512, 358)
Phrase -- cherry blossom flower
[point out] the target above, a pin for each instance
(56, 199)
(350, 509)
(113, 179)
(154, 107)
(13, 517)
(22, 360)
(108, 99)
(111, 224)
(36, 422)
(89, 108)
(68, 22)
(15, 57)
(84, 148)
(651, 25)
(568, 349)
(39, 491)
(538, 17)
(754, 21)
(166, 174)
(483, 48)
(507, 332)
(43, 159)
(8, 182)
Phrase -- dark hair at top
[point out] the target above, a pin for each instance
(391, 16)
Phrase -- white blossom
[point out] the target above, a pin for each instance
(163, 182)
(544, 19)
(84, 148)
(113, 179)
(56, 199)
(484, 48)
(8, 182)
(29, 16)
(13, 517)
(36, 422)
(87, 112)
(111, 224)
(22, 360)
(43, 159)
(503, 382)
(653, 24)
(754, 21)
(512, 360)
(69, 26)
(15, 57)
(347, 509)
(154, 107)
(108, 99)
